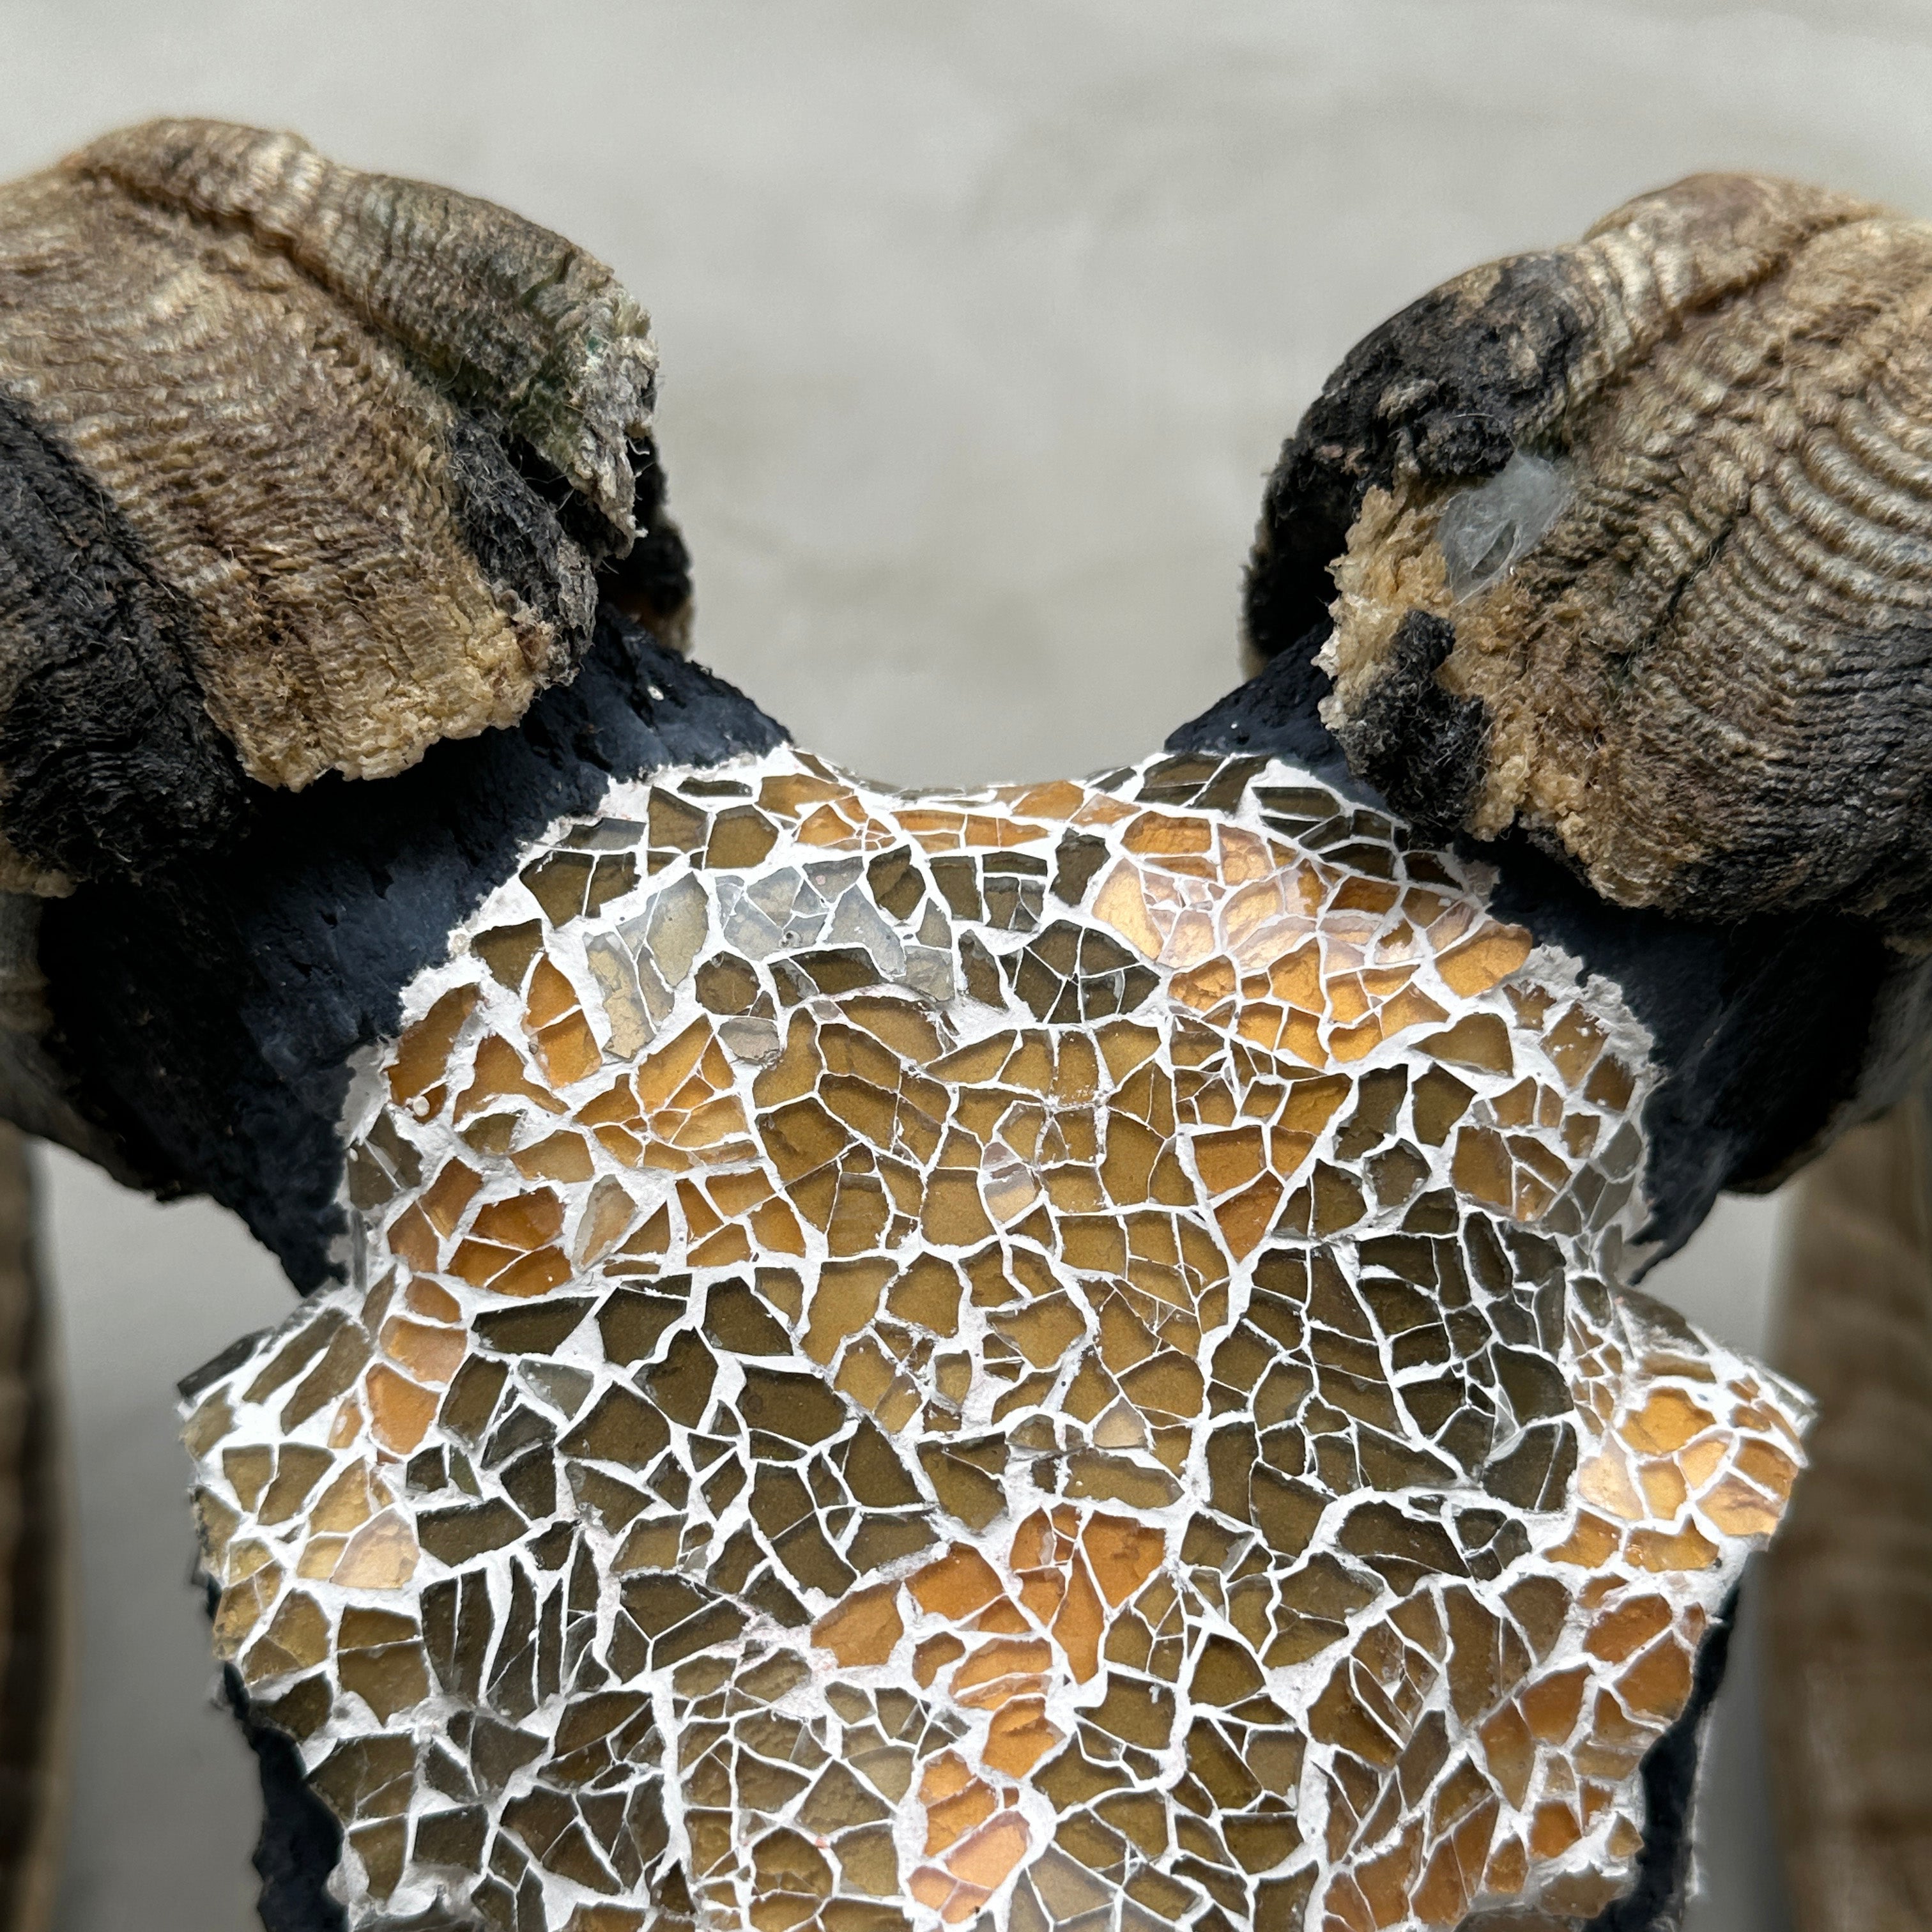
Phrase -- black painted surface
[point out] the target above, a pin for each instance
(301, 1840)
(652, 582)
(518, 538)
(1454, 385)
(209, 1012)
(1764, 1029)
(1423, 748)
(108, 758)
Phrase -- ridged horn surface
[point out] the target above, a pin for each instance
(328, 457)
(1629, 543)
(508, 314)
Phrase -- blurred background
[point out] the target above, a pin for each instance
(981, 325)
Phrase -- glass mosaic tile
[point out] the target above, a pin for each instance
(1049, 1357)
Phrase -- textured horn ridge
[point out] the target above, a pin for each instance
(1627, 542)
(512, 316)
(328, 457)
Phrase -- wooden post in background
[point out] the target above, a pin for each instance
(1848, 1695)
(36, 1569)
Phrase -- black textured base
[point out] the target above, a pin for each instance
(209, 1012)
(301, 1840)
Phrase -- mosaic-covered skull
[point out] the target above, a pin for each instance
(1049, 1354)
(1060, 1356)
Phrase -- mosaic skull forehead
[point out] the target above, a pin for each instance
(1049, 1357)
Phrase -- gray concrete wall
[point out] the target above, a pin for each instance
(981, 324)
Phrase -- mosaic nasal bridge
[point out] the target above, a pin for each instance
(1044, 1357)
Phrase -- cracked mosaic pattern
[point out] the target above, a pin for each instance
(1041, 1358)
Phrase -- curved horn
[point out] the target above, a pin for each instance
(306, 469)
(309, 468)
(1626, 543)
